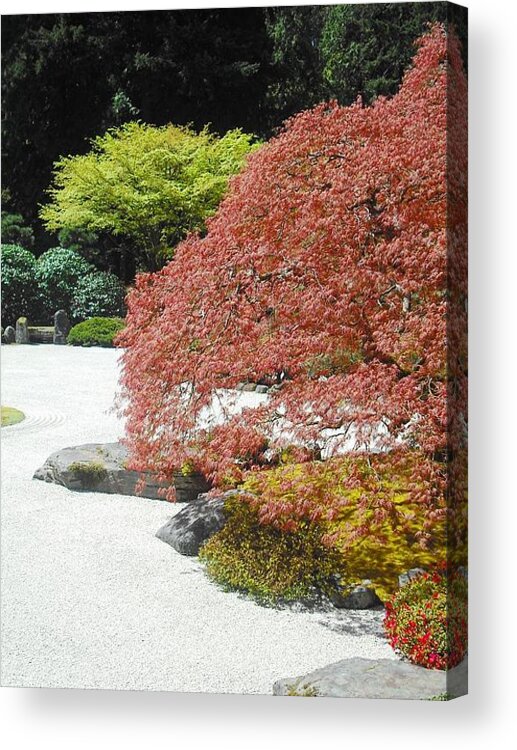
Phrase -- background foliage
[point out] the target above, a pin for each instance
(246, 68)
(20, 294)
(58, 272)
(99, 294)
(148, 185)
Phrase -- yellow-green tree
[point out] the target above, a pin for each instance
(147, 186)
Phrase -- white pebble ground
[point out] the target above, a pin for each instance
(90, 598)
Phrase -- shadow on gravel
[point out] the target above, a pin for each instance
(355, 623)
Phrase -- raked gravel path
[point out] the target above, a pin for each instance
(90, 598)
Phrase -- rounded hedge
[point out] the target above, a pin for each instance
(268, 563)
(426, 621)
(99, 294)
(58, 272)
(95, 332)
(20, 295)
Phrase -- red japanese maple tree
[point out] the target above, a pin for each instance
(325, 272)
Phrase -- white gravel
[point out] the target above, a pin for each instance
(90, 598)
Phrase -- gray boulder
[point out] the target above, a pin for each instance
(101, 467)
(377, 678)
(360, 597)
(189, 529)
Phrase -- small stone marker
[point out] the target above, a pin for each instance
(9, 336)
(22, 331)
(61, 327)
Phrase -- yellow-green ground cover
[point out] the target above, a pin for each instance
(11, 416)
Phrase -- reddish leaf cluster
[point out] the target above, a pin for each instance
(325, 272)
(426, 620)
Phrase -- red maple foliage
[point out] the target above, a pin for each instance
(325, 271)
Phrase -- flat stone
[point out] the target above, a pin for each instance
(101, 467)
(248, 387)
(41, 334)
(377, 678)
(262, 389)
(189, 529)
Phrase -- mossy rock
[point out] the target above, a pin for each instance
(89, 474)
(378, 678)
(102, 467)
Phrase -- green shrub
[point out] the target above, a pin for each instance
(84, 243)
(20, 294)
(426, 620)
(345, 495)
(95, 332)
(268, 563)
(15, 232)
(58, 272)
(99, 294)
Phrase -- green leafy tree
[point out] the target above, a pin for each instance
(149, 186)
(67, 77)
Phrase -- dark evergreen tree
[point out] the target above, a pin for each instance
(364, 49)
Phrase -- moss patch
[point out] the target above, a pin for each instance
(304, 691)
(89, 474)
(11, 416)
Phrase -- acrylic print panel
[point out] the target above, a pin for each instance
(234, 362)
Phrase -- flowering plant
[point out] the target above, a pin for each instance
(426, 621)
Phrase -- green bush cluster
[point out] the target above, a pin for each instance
(20, 294)
(58, 273)
(98, 294)
(95, 332)
(267, 563)
(60, 279)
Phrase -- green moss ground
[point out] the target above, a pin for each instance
(11, 416)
